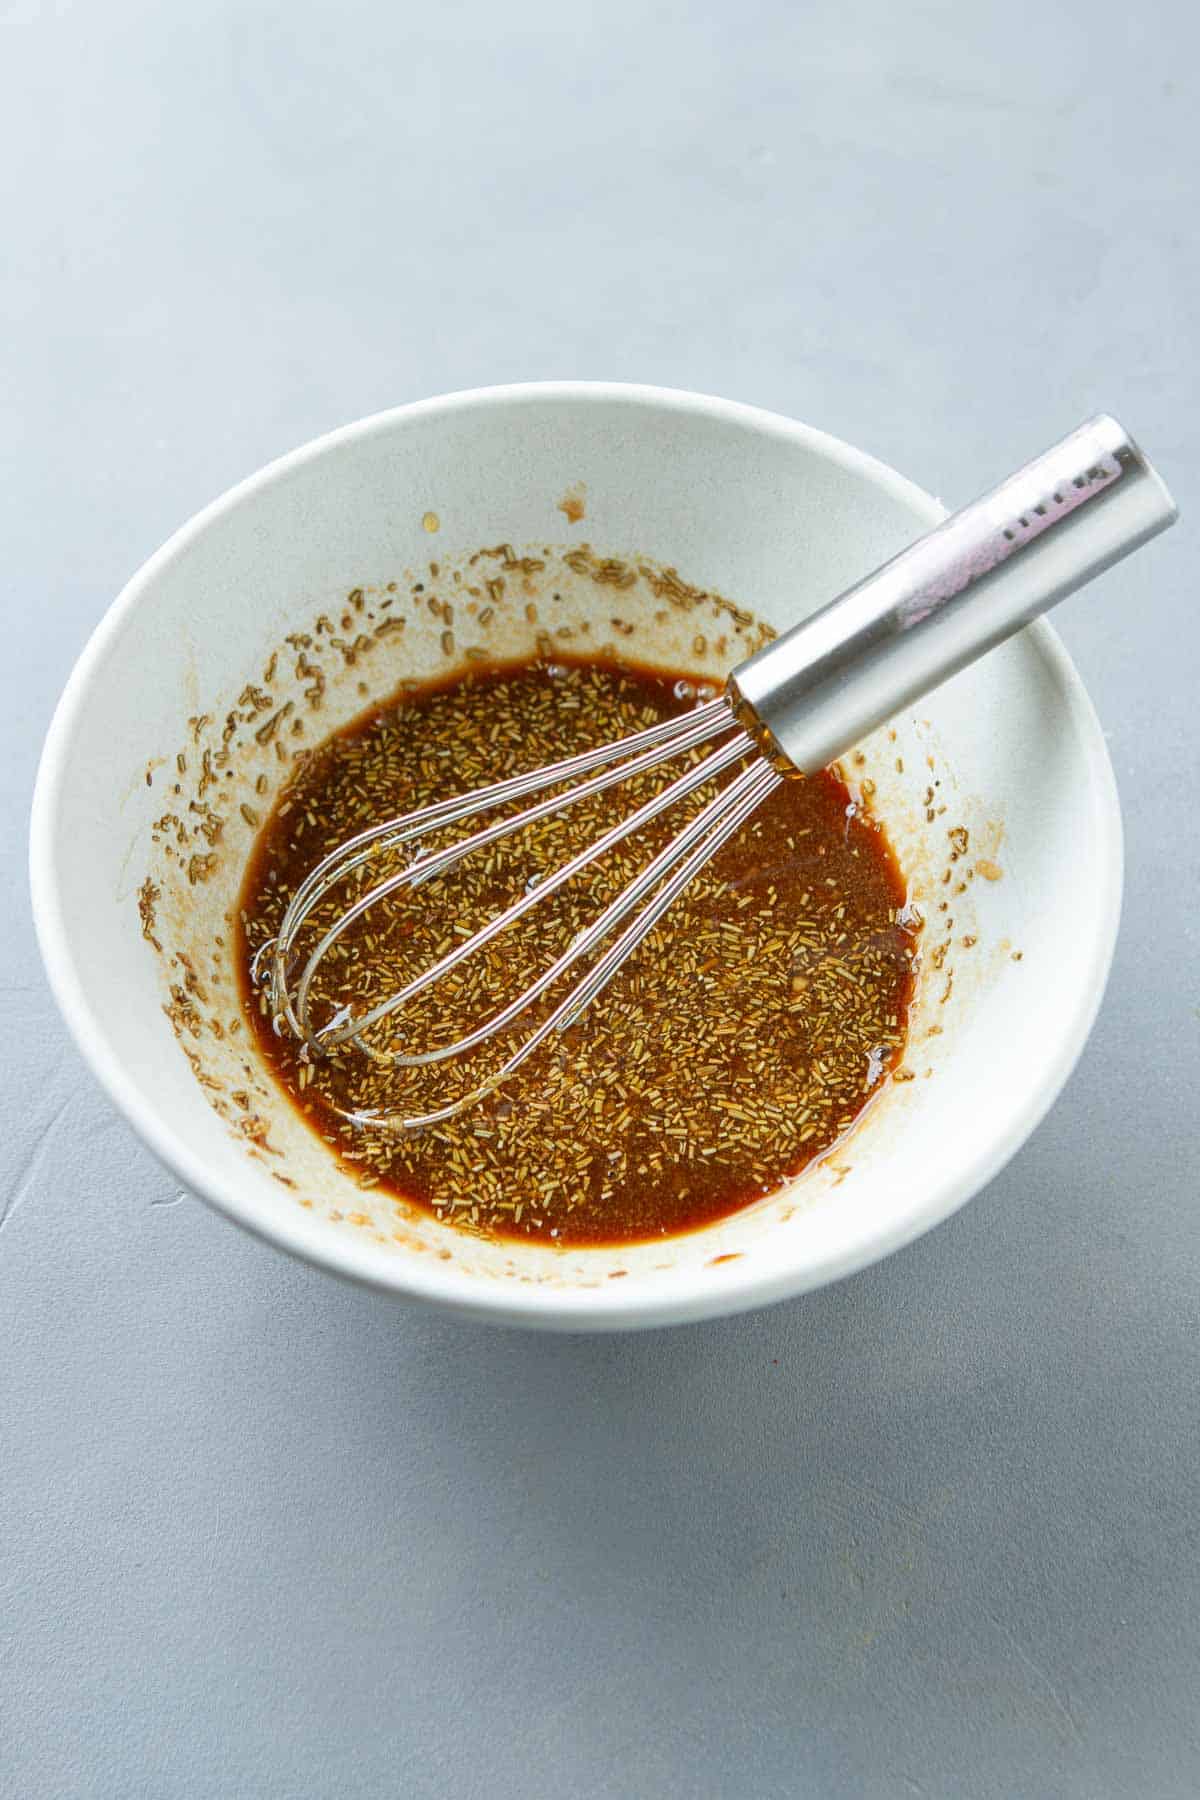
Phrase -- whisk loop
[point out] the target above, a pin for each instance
(668, 872)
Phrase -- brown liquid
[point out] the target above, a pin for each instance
(741, 1041)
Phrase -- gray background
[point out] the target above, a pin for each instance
(932, 1532)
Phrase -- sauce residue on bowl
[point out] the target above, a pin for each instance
(741, 1041)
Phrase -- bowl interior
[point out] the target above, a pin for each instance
(182, 716)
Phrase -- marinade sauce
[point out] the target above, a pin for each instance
(740, 1042)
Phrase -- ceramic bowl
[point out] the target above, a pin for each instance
(185, 709)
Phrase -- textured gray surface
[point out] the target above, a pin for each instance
(932, 1532)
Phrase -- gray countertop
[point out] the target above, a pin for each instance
(932, 1532)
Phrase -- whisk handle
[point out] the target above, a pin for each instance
(953, 595)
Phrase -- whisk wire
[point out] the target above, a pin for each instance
(704, 771)
(669, 738)
(730, 808)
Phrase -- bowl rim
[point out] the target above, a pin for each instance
(706, 1293)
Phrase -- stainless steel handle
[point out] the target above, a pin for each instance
(953, 595)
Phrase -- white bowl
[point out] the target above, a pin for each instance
(771, 513)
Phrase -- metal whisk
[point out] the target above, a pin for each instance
(793, 707)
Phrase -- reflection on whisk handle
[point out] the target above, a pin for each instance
(950, 597)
